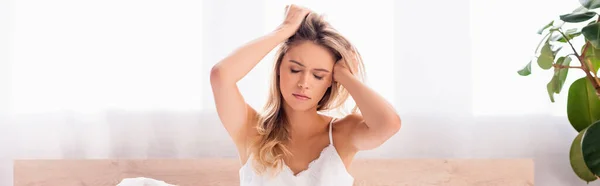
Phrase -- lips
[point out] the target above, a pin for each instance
(300, 96)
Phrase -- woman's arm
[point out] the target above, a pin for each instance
(235, 114)
(379, 120)
(235, 66)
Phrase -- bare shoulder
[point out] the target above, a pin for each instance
(347, 123)
(358, 134)
(342, 128)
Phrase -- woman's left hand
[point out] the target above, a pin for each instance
(340, 69)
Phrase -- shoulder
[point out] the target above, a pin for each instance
(348, 122)
(343, 126)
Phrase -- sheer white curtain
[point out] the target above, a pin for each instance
(6, 148)
(129, 79)
(78, 65)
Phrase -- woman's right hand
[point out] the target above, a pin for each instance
(294, 15)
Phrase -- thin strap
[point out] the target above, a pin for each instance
(330, 129)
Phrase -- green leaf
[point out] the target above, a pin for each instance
(590, 4)
(550, 88)
(557, 24)
(545, 27)
(583, 106)
(577, 17)
(596, 64)
(577, 162)
(571, 31)
(544, 40)
(592, 34)
(590, 146)
(561, 74)
(571, 34)
(559, 77)
(556, 37)
(546, 57)
(555, 51)
(593, 54)
(559, 61)
(580, 9)
(526, 70)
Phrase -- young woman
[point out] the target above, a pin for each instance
(290, 142)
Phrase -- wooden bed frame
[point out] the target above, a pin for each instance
(218, 171)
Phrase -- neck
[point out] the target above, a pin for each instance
(305, 124)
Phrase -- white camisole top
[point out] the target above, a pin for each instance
(327, 169)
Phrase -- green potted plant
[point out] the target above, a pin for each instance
(557, 51)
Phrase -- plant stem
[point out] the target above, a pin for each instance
(562, 66)
(585, 67)
(589, 64)
(570, 44)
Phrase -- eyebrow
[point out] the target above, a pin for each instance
(317, 69)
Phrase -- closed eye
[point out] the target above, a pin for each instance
(296, 71)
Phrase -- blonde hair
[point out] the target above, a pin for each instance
(273, 127)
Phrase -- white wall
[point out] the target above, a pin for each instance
(451, 78)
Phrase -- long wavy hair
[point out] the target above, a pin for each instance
(269, 147)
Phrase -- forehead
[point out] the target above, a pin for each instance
(311, 55)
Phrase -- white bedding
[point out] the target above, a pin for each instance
(142, 181)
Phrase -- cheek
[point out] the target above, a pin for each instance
(285, 81)
(321, 86)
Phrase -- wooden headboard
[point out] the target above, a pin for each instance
(217, 171)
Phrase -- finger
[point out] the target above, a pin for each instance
(306, 11)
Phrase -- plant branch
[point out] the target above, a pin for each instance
(563, 66)
(589, 64)
(585, 67)
(593, 79)
(570, 44)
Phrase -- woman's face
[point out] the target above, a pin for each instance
(305, 73)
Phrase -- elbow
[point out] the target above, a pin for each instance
(216, 74)
(222, 75)
(396, 123)
(390, 126)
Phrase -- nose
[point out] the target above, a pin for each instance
(303, 83)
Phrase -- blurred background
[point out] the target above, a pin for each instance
(130, 78)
